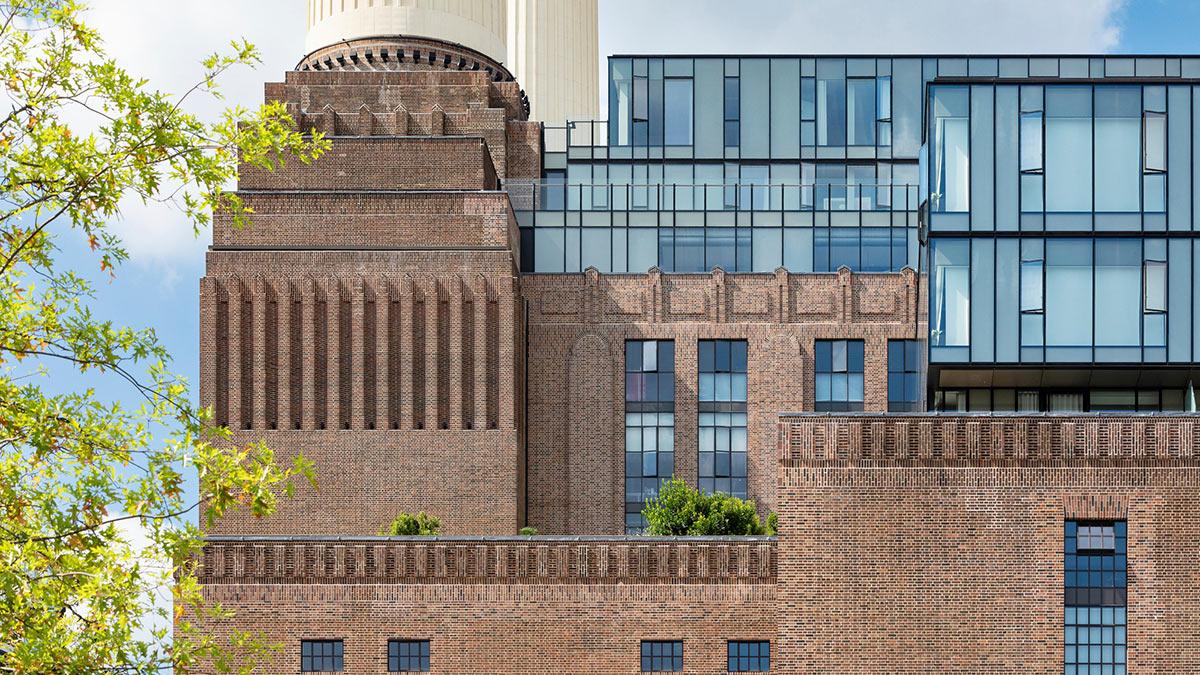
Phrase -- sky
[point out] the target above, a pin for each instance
(164, 41)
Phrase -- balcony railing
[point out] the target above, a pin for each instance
(534, 195)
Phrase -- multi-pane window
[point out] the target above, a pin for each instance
(839, 375)
(1095, 595)
(904, 375)
(733, 111)
(649, 423)
(662, 656)
(321, 656)
(408, 656)
(723, 416)
(749, 656)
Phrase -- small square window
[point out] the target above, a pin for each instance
(321, 656)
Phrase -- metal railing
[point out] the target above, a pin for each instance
(538, 195)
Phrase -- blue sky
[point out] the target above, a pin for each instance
(158, 288)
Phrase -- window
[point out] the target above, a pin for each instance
(860, 103)
(1094, 582)
(1069, 149)
(321, 656)
(1154, 149)
(883, 108)
(904, 375)
(678, 111)
(749, 656)
(408, 656)
(951, 319)
(723, 416)
(831, 102)
(952, 159)
(1118, 282)
(839, 375)
(1117, 146)
(662, 656)
(1032, 148)
(1068, 292)
(1033, 299)
(1154, 293)
(649, 424)
(733, 112)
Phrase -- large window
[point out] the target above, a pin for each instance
(831, 102)
(1118, 282)
(678, 111)
(321, 656)
(749, 656)
(662, 656)
(1068, 293)
(649, 424)
(1069, 149)
(951, 319)
(723, 416)
(860, 103)
(1094, 580)
(408, 656)
(904, 375)
(1118, 149)
(951, 150)
(839, 375)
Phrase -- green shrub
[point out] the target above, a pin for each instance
(527, 531)
(681, 509)
(408, 524)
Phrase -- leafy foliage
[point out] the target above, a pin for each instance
(681, 509)
(95, 522)
(528, 531)
(406, 524)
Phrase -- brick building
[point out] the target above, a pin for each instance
(757, 275)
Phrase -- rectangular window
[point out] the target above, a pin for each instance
(1118, 282)
(1069, 149)
(321, 656)
(1095, 584)
(952, 158)
(860, 111)
(649, 424)
(883, 110)
(951, 320)
(723, 416)
(408, 656)
(831, 102)
(904, 375)
(678, 111)
(662, 656)
(1154, 149)
(1117, 147)
(733, 114)
(749, 656)
(839, 371)
(1069, 292)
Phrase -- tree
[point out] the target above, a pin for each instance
(680, 509)
(80, 135)
(406, 524)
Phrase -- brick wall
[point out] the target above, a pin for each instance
(914, 544)
(497, 605)
(578, 325)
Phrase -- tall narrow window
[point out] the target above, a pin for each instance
(678, 111)
(904, 375)
(860, 111)
(831, 102)
(1033, 300)
(952, 159)
(733, 112)
(1154, 149)
(839, 375)
(1118, 282)
(1094, 593)
(1069, 292)
(321, 656)
(883, 106)
(1117, 146)
(1069, 149)
(1154, 293)
(951, 320)
(649, 424)
(1032, 149)
(723, 416)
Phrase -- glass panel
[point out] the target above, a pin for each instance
(1068, 292)
(860, 102)
(951, 170)
(1069, 149)
(831, 111)
(1118, 140)
(678, 112)
(951, 311)
(1118, 273)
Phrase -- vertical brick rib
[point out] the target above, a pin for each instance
(456, 382)
(308, 363)
(333, 361)
(383, 304)
(432, 331)
(480, 307)
(234, 314)
(508, 356)
(283, 304)
(407, 386)
(260, 352)
(358, 340)
(209, 347)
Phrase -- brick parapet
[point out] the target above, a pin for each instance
(491, 560)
